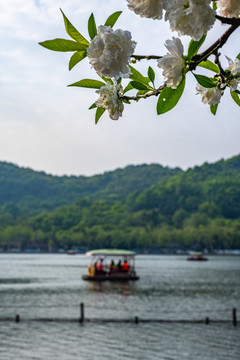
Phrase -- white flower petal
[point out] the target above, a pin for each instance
(234, 67)
(147, 8)
(190, 17)
(110, 51)
(172, 63)
(229, 8)
(210, 96)
(109, 99)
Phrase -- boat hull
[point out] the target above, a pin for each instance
(110, 277)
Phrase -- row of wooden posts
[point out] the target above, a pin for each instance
(135, 320)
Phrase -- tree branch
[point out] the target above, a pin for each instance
(214, 47)
(225, 20)
(146, 57)
(155, 92)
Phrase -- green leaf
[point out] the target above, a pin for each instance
(237, 91)
(213, 109)
(76, 58)
(73, 32)
(151, 74)
(89, 83)
(92, 29)
(98, 114)
(214, 5)
(63, 45)
(194, 46)
(205, 81)
(169, 98)
(139, 86)
(111, 20)
(136, 75)
(142, 92)
(126, 101)
(128, 88)
(209, 65)
(238, 56)
(107, 80)
(93, 106)
(235, 97)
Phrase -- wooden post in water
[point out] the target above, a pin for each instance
(207, 320)
(234, 316)
(81, 313)
(17, 318)
(136, 320)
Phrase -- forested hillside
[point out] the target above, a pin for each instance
(24, 191)
(196, 209)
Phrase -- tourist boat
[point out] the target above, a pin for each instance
(71, 252)
(196, 256)
(111, 265)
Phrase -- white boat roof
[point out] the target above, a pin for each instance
(110, 252)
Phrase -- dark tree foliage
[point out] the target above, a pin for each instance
(139, 207)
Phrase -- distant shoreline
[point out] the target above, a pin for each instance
(232, 253)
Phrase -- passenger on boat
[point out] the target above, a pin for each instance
(100, 266)
(119, 265)
(113, 267)
(125, 266)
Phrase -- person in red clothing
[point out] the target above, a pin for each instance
(100, 266)
(125, 266)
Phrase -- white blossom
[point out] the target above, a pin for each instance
(110, 51)
(173, 63)
(229, 8)
(109, 99)
(234, 67)
(190, 17)
(210, 96)
(147, 8)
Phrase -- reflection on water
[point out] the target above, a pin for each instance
(50, 286)
(108, 288)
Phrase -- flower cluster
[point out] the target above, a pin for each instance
(110, 51)
(229, 8)
(210, 96)
(187, 17)
(213, 95)
(147, 8)
(234, 67)
(109, 99)
(173, 63)
(190, 17)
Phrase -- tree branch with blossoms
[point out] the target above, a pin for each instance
(112, 54)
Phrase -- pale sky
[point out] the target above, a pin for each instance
(47, 126)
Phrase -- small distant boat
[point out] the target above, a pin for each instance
(111, 265)
(71, 252)
(196, 256)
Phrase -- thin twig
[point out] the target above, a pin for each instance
(146, 57)
(217, 62)
(214, 47)
(155, 92)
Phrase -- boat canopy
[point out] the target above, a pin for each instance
(111, 252)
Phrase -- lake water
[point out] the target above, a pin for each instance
(170, 288)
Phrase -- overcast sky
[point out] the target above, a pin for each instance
(47, 126)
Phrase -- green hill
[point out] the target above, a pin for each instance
(25, 191)
(139, 207)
